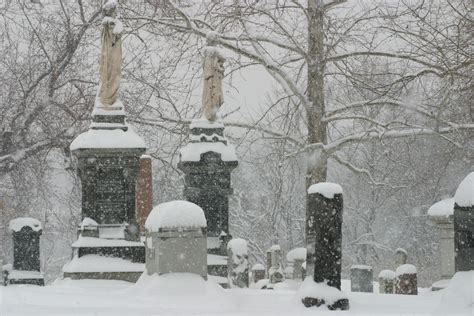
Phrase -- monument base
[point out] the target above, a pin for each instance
(342, 304)
(23, 277)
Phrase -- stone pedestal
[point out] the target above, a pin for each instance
(207, 162)
(26, 267)
(361, 279)
(108, 157)
(324, 238)
(176, 239)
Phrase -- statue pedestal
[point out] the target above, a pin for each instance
(108, 162)
(207, 162)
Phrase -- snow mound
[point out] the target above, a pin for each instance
(387, 274)
(102, 138)
(180, 289)
(321, 290)
(405, 269)
(296, 254)
(96, 263)
(175, 214)
(238, 246)
(326, 189)
(458, 297)
(18, 223)
(464, 196)
(275, 248)
(401, 250)
(442, 208)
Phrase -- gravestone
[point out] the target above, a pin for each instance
(275, 273)
(387, 281)
(26, 267)
(464, 224)
(361, 278)
(441, 213)
(401, 257)
(176, 239)
(323, 244)
(406, 281)
(238, 266)
(295, 259)
(258, 272)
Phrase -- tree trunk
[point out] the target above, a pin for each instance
(316, 128)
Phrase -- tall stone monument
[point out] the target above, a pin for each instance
(323, 244)
(208, 160)
(108, 163)
(464, 224)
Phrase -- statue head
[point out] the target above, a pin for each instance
(110, 8)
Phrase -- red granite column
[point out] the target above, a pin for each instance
(144, 191)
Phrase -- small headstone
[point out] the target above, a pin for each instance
(406, 281)
(275, 272)
(323, 244)
(238, 263)
(361, 279)
(176, 239)
(464, 224)
(386, 281)
(401, 257)
(295, 259)
(26, 252)
(258, 272)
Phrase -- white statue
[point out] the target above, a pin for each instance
(110, 55)
(213, 73)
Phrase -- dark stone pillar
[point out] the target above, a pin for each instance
(324, 240)
(144, 191)
(464, 224)
(406, 281)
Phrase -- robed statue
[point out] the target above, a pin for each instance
(213, 73)
(110, 55)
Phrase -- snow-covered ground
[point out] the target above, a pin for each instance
(186, 294)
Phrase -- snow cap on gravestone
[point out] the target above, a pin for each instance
(326, 189)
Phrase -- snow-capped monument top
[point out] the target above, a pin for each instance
(110, 55)
(175, 214)
(326, 189)
(464, 196)
(442, 208)
(17, 224)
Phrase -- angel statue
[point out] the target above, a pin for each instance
(110, 55)
(213, 69)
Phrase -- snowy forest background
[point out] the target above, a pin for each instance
(387, 112)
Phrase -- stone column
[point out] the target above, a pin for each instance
(144, 191)
(464, 224)
(275, 273)
(361, 279)
(406, 281)
(324, 241)
(238, 263)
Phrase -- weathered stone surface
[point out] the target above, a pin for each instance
(464, 237)
(26, 249)
(144, 191)
(361, 279)
(406, 284)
